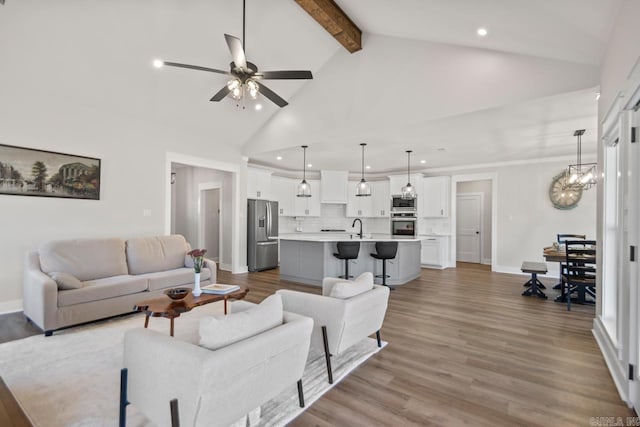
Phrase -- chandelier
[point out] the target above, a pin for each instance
(580, 175)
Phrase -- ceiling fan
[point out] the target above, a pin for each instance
(244, 74)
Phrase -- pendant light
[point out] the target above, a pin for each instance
(581, 175)
(408, 192)
(304, 189)
(363, 189)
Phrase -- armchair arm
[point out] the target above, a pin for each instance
(324, 311)
(40, 294)
(364, 315)
(211, 265)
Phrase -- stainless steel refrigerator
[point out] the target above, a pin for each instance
(262, 234)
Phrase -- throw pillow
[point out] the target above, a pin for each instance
(220, 331)
(348, 289)
(66, 281)
(188, 261)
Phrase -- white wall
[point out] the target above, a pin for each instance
(483, 187)
(40, 108)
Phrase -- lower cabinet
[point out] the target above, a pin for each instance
(435, 250)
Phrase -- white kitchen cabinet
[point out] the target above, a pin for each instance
(258, 184)
(434, 252)
(381, 199)
(435, 197)
(333, 186)
(307, 206)
(396, 182)
(283, 191)
(358, 206)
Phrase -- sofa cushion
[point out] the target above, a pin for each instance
(220, 331)
(94, 290)
(151, 254)
(66, 281)
(86, 259)
(172, 278)
(348, 289)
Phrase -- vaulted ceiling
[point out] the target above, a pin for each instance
(424, 80)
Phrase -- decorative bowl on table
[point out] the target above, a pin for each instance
(177, 293)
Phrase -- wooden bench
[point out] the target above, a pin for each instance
(535, 285)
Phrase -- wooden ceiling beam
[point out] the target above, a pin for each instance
(328, 14)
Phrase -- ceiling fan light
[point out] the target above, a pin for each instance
(235, 88)
(158, 63)
(253, 88)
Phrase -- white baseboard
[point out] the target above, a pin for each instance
(10, 306)
(241, 270)
(609, 352)
(225, 267)
(486, 261)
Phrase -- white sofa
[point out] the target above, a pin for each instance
(212, 387)
(111, 274)
(339, 322)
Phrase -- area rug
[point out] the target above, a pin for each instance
(73, 377)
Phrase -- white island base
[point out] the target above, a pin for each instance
(309, 259)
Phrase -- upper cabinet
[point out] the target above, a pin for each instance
(307, 206)
(283, 190)
(333, 186)
(374, 206)
(381, 199)
(258, 184)
(435, 197)
(396, 182)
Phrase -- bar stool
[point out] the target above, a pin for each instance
(347, 251)
(385, 251)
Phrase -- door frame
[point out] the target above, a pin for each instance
(481, 241)
(201, 221)
(455, 179)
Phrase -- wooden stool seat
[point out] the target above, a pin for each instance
(535, 286)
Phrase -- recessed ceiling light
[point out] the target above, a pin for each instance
(309, 165)
(158, 63)
(423, 161)
(367, 167)
(279, 158)
(482, 32)
(258, 107)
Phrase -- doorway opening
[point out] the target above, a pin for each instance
(209, 222)
(474, 211)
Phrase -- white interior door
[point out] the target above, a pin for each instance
(210, 222)
(468, 223)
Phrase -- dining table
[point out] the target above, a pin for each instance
(558, 254)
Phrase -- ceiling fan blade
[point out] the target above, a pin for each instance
(196, 67)
(272, 96)
(219, 96)
(237, 51)
(284, 75)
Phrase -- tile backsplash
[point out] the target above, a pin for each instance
(332, 216)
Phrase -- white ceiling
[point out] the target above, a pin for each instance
(423, 79)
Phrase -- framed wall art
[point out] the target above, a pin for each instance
(30, 172)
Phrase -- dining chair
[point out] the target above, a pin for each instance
(561, 238)
(580, 270)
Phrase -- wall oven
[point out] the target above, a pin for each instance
(404, 224)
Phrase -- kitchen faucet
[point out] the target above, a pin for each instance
(354, 224)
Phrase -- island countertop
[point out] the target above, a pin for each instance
(348, 237)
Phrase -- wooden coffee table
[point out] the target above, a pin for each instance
(166, 307)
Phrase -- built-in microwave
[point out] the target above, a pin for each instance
(398, 204)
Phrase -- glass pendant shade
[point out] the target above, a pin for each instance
(363, 189)
(581, 175)
(408, 191)
(304, 189)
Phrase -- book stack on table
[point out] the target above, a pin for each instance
(220, 289)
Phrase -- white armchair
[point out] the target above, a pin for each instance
(339, 323)
(212, 387)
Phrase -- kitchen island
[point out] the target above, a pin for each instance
(308, 257)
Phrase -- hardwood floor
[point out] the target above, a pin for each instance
(464, 348)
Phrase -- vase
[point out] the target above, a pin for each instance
(196, 286)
